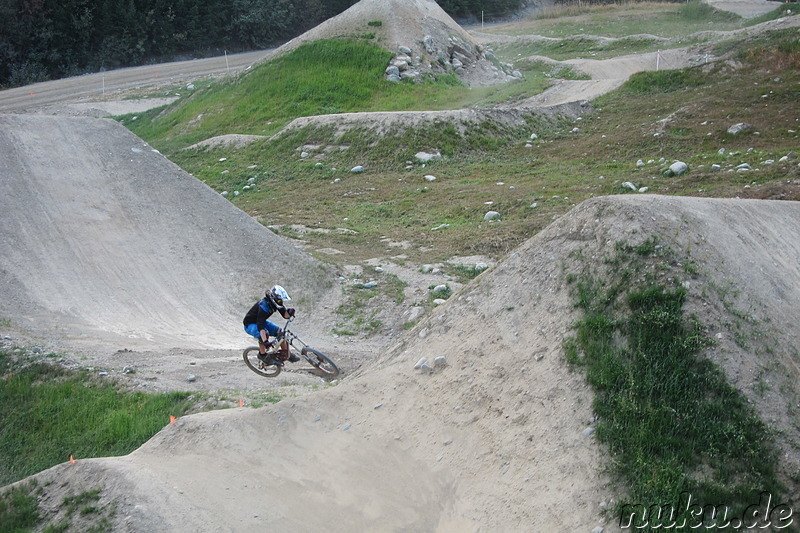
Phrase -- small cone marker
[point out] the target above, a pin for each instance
(72, 460)
(241, 402)
(171, 419)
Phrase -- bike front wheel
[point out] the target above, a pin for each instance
(255, 364)
(323, 366)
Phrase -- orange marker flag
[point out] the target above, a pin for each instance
(171, 419)
(72, 460)
(241, 402)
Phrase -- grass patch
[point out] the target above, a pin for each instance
(663, 81)
(19, 508)
(358, 315)
(58, 413)
(672, 423)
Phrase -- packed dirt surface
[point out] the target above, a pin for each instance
(117, 257)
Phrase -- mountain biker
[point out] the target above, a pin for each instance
(257, 325)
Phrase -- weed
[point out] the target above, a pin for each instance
(57, 412)
(19, 508)
(670, 419)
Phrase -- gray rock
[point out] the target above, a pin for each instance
(421, 362)
(630, 186)
(440, 361)
(405, 50)
(128, 370)
(440, 289)
(736, 129)
(429, 44)
(358, 168)
(744, 166)
(678, 167)
(394, 78)
(426, 157)
(491, 215)
(191, 378)
(392, 70)
(716, 167)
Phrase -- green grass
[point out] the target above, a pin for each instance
(57, 413)
(672, 423)
(19, 509)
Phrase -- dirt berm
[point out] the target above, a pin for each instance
(106, 243)
(493, 441)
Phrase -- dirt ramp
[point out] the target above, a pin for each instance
(496, 433)
(106, 241)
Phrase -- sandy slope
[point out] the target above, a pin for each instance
(106, 241)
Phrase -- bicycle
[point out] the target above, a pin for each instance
(281, 351)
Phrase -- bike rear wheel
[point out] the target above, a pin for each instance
(323, 366)
(252, 361)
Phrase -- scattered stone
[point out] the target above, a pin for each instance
(440, 289)
(588, 432)
(346, 427)
(630, 186)
(405, 50)
(377, 406)
(370, 285)
(736, 129)
(598, 529)
(440, 361)
(102, 373)
(430, 178)
(677, 168)
(357, 168)
(224, 193)
(534, 136)
(439, 301)
(421, 362)
(491, 215)
(640, 163)
(37, 350)
(191, 378)
(426, 157)
(7, 337)
(716, 167)
(440, 226)
(644, 189)
(744, 167)
(128, 370)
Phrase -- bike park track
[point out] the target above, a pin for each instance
(106, 245)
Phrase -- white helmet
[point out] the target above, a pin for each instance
(278, 296)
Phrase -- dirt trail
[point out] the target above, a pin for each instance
(498, 439)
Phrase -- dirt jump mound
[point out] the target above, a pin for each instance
(106, 241)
